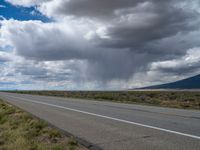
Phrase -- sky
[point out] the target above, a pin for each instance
(97, 44)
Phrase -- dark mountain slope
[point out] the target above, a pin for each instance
(189, 83)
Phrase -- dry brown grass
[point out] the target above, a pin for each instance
(20, 131)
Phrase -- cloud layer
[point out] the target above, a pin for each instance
(92, 44)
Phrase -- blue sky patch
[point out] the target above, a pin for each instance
(9, 11)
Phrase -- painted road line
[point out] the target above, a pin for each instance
(111, 118)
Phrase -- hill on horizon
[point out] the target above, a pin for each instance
(188, 83)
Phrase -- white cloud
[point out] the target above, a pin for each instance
(190, 60)
(100, 43)
(45, 41)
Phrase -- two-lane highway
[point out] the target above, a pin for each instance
(114, 126)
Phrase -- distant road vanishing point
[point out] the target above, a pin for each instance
(114, 126)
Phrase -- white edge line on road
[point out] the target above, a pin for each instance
(111, 118)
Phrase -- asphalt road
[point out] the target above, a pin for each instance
(114, 126)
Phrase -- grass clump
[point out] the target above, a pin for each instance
(20, 131)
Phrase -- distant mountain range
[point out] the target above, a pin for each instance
(189, 83)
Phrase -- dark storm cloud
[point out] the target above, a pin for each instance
(184, 70)
(181, 68)
(45, 41)
(94, 8)
(165, 25)
(104, 9)
(124, 38)
(116, 65)
(142, 26)
(136, 24)
(189, 63)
